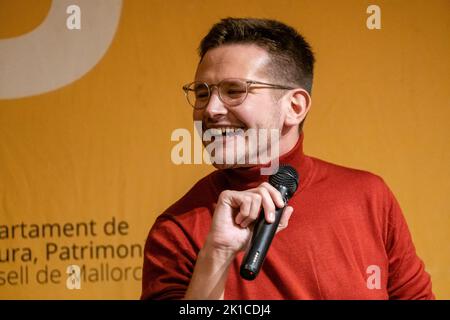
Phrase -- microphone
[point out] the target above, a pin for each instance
(286, 182)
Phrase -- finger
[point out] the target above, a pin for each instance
(274, 193)
(267, 204)
(244, 209)
(254, 210)
(286, 215)
(235, 200)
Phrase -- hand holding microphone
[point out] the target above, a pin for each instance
(236, 212)
(232, 227)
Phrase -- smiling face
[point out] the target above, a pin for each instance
(260, 110)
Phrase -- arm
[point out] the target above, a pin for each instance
(210, 274)
(407, 276)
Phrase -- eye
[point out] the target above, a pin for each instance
(233, 90)
(201, 91)
(203, 94)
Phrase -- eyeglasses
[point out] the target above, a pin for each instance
(232, 92)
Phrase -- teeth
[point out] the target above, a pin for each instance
(215, 131)
(225, 130)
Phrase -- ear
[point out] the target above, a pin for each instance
(299, 103)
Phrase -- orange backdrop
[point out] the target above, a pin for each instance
(95, 146)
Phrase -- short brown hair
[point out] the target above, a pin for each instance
(291, 56)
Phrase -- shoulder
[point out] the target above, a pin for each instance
(346, 177)
(356, 194)
(350, 185)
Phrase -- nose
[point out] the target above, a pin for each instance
(215, 107)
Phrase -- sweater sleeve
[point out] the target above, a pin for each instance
(407, 276)
(168, 261)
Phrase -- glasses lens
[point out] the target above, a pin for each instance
(198, 94)
(233, 92)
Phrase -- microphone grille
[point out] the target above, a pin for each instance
(286, 176)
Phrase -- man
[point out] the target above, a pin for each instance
(347, 237)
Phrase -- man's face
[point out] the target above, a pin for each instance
(260, 110)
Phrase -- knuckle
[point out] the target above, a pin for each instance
(254, 214)
(268, 186)
(257, 197)
(245, 213)
(224, 194)
(263, 192)
(265, 184)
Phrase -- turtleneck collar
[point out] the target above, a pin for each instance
(250, 177)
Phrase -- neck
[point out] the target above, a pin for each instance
(290, 141)
(250, 177)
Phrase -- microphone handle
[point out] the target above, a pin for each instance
(263, 234)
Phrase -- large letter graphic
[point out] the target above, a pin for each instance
(52, 56)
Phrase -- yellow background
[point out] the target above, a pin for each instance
(100, 147)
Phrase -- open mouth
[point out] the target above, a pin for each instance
(227, 131)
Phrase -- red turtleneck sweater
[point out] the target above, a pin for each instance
(347, 239)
